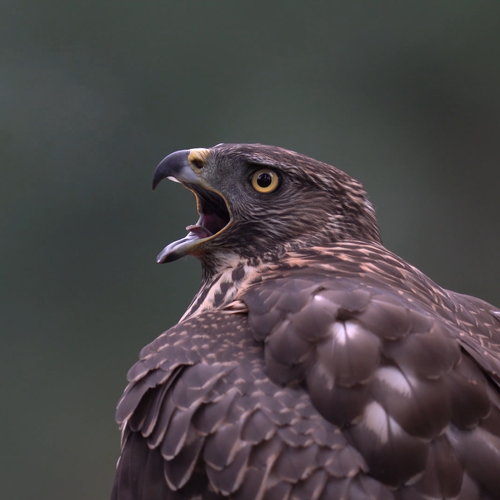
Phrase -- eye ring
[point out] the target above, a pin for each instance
(265, 180)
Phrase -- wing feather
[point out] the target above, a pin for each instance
(390, 365)
(205, 412)
(338, 376)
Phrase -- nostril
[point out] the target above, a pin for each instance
(198, 157)
(198, 163)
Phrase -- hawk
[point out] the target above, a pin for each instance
(313, 363)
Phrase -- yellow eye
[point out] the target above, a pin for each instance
(265, 180)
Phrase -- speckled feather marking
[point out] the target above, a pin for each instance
(222, 288)
(221, 427)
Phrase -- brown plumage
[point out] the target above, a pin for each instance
(313, 363)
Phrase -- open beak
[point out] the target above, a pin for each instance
(186, 166)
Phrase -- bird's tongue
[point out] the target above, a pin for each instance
(211, 221)
(200, 231)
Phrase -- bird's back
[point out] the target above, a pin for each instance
(335, 372)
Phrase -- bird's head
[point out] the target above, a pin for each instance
(255, 201)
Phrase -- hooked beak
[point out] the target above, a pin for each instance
(186, 166)
(176, 167)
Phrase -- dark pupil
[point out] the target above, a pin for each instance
(264, 180)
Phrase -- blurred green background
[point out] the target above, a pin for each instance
(404, 96)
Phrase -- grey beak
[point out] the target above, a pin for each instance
(177, 167)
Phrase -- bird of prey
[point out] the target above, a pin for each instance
(313, 363)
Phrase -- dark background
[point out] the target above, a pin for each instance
(404, 96)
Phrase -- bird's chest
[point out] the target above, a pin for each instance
(221, 290)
